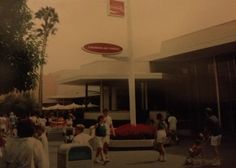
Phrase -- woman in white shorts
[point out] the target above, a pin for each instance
(161, 137)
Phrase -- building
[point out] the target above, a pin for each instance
(190, 73)
(111, 77)
(201, 72)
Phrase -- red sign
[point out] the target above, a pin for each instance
(102, 48)
(116, 8)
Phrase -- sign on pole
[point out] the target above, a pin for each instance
(116, 8)
(102, 48)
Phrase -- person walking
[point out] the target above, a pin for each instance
(109, 130)
(68, 129)
(172, 129)
(161, 137)
(214, 130)
(100, 135)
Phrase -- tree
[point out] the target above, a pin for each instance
(19, 52)
(22, 104)
(49, 19)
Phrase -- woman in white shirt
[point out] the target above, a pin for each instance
(81, 137)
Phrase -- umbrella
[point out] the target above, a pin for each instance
(92, 105)
(55, 107)
(73, 106)
(46, 108)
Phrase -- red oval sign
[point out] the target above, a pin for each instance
(102, 48)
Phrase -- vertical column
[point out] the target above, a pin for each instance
(131, 80)
(101, 97)
(146, 95)
(142, 96)
(217, 89)
(113, 98)
(86, 97)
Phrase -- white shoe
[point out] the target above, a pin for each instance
(107, 158)
(216, 163)
(97, 160)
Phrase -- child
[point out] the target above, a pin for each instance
(100, 134)
(195, 151)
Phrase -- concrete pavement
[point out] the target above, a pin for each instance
(131, 159)
(148, 158)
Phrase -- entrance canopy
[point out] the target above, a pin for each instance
(212, 41)
(110, 72)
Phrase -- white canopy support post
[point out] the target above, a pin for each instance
(132, 100)
(217, 89)
(101, 97)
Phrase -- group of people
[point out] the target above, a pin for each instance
(101, 132)
(166, 132)
(98, 136)
(28, 147)
(210, 133)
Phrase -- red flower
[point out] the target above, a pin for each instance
(139, 131)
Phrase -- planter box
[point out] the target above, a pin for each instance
(139, 143)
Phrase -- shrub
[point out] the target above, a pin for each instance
(139, 131)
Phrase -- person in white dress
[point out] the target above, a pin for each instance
(109, 130)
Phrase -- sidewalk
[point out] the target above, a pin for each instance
(131, 159)
(148, 158)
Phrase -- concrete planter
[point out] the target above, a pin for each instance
(139, 143)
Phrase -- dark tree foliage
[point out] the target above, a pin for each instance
(19, 53)
(22, 104)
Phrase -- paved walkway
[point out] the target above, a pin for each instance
(133, 159)
(148, 158)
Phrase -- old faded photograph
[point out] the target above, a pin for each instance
(117, 83)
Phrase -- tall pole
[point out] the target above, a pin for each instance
(86, 97)
(217, 89)
(131, 80)
(101, 97)
(43, 52)
(40, 99)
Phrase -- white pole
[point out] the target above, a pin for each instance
(132, 101)
(217, 89)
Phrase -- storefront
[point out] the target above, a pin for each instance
(200, 70)
(110, 78)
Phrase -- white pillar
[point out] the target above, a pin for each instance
(106, 98)
(132, 101)
(146, 95)
(217, 89)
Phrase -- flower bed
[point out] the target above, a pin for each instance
(139, 131)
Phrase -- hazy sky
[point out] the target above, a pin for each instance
(86, 21)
